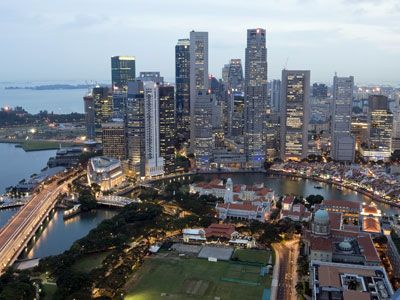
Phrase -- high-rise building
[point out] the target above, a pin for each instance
(119, 103)
(103, 108)
(154, 162)
(151, 76)
(236, 124)
(167, 127)
(319, 90)
(89, 117)
(135, 123)
(396, 125)
(182, 85)
(114, 139)
(235, 76)
(380, 122)
(123, 70)
(256, 95)
(295, 99)
(201, 138)
(343, 143)
(276, 95)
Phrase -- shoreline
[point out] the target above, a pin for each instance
(38, 145)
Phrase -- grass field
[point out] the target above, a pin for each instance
(89, 262)
(49, 290)
(193, 278)
(42, 145)
(253, 256)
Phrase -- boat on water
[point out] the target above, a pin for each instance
(317, 187)
(69, 213)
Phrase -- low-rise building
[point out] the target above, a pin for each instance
(105, 171)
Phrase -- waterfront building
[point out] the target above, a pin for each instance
(114, 139)
(295, 99)
(103, 108)
(106, 172)
(167, 126)
(89, 117)
(343, 143)
(276, 95)
(201, 133)
(66, 157)
(136, 128)
(123, 70)
(151, 76)
(182, 85)
(347, 281)
(256, 95)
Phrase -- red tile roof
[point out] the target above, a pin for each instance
(220, 230)
(238, 206)
(346, 204)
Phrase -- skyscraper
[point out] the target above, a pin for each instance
(114, 139)
(123, 70)
(276, 95)
(167, 127)
(319, 90)
(235, 75)
(201, 140)
(136, 128)
(182, 85)
(89, 117)
(103, 108)
(295, 99)
(151, 76)
(343, 143)
(256, 94)
(380, 122)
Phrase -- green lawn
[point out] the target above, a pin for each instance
(89, 262)
(193, 278)
(49, 290)
(42, 145)
(253, 256)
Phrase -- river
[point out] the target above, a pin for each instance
(59, 234)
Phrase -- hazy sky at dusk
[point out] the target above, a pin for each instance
(74, 39)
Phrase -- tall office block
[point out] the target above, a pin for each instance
(236, 124)
(319, 90)
(276, 95)
(135, 123)
(154, 162)
(235, 75)
(380, 122)
(89, 117)
(396, 125)
(119, 99)
(256, 94)
(103, 108)
(343, 143)
(167, 127)
(114, 139)
(201, 139)
(295, 99)
(123, 70)
(182, 85)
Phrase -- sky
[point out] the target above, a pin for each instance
(61, 40)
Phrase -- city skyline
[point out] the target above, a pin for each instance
(300, 35)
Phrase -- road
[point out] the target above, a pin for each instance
(285, 274)
(23, 225)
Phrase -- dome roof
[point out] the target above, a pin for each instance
(345, 246)
(321, 216)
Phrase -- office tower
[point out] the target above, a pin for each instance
(255, 97)
(167, 127)
(151, 76)
(114, 139)
(320, 90)
(89, 116)
(103, 108)
(119, 99)
(276, 95)
(122, 71)
(135, 123)
(236, 113)
(380, 122)
(201, 140)
(396, 125)
(225, 73)
(295, 99)
(235, 76)
(182, 85)
(343, 143)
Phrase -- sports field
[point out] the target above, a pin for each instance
(192, 278)
(253, 256)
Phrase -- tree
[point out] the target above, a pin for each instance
(87, 200)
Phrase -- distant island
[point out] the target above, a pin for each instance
(51, 87)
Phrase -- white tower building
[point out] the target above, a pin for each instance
(228, 197)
